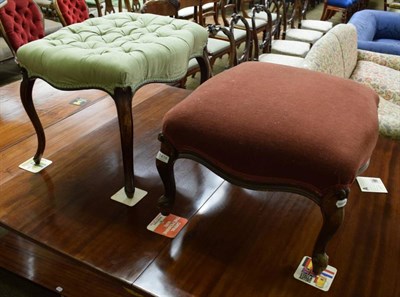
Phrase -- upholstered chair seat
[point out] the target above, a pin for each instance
(295, 40)
(238, 34)
(216, 46)
(290, 47)
(188, 12)
(383, 79)
(115, 44)
(309, 36)
(321, 26)
(259, 23)
(282, 59)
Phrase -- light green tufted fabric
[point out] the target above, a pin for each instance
(117, 50)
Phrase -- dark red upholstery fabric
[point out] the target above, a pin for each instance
(22, 21)
(73, 11)
(269, 123)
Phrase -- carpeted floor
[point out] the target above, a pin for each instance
(12, 285)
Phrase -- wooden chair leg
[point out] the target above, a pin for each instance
(330, 14)
(344, 16)
(165, 167)
(205, 66)
(332, 208)
(26, 88)
(324, 13)
(123, 101)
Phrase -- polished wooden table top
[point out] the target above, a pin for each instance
(237, 242)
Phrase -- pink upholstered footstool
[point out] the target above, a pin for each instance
(272, 127)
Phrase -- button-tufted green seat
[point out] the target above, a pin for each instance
(117, 53)
(117, 50)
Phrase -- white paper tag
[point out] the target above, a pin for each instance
(162, 157)
(30, 165)
(168, 226)
(323, 281)
(371, 184)
(341, 203)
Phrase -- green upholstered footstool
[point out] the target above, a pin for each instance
(117, 53)
(290, 129)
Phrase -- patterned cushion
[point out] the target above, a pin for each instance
(389, 119)
(325, 56)
(336, 53)
(117, 50)
(387, 60)
(384, 80)
(347, 36)
(22, 21)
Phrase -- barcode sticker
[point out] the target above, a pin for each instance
(162, 157)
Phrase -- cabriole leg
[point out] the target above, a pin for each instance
(165, 167)
(123, 101)
(332, 208)
(26, 88)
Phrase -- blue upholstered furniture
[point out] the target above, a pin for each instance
(378, 31)
(346, 7)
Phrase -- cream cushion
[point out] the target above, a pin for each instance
(282, 60)
(216, 46)
(309, 36)
(238, 34)
(290, 47)
(322, 26)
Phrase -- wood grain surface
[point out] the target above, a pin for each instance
(64, 230)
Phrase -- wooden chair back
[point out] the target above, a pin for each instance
(204, 14)
(162, 7)
(227, 9)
